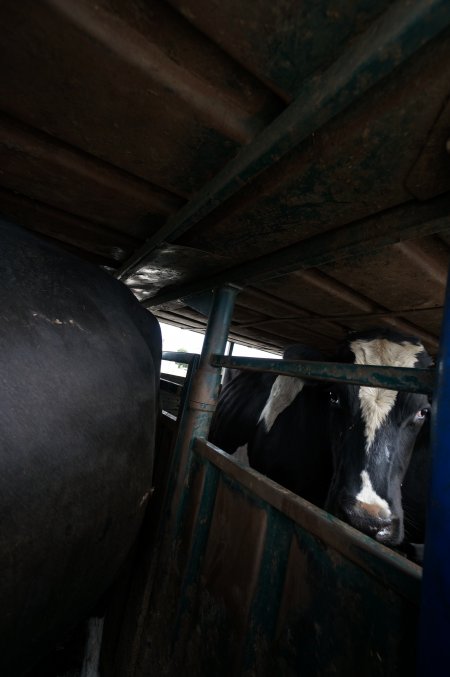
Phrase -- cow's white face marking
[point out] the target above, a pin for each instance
(376, 403)
(369, 496)
(284, 391)
(241, 454)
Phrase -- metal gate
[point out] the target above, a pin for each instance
(248, 579)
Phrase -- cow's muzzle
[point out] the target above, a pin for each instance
(373, 521)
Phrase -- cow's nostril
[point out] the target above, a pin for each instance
(384, 535)
(389, 533)
(373, 511)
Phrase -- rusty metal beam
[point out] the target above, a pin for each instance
(280, 303)
(135, 49)
(391, 378)
(403, 29)
(31, 145)
(430, 265)
(338, 290)
(302, 319)
(394, 225)
(62, 226)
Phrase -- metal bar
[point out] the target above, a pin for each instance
(195, 421)
(343, 317)
(355, 239)
(187, 385)
(170, 386)
(434, 645)
(206, 386)
(162, 72)
(343, 292)
(302, 319)
(182, 420)
(400, 31)
(173, 356)
(391, 378)
(183, 322)
(204, 390)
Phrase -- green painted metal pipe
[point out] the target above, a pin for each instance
(204, 392)
(391, 378)
(390, 40)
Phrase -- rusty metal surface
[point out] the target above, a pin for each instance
(282, 43)
(300, 579)
(118, 120)
(170, 118)
(351, 83)
(38, 166)
(354, 166)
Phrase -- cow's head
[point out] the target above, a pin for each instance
(373, 433)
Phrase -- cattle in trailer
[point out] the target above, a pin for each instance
(341, 446)
(269, 421)
(373, 433)
(79, 364)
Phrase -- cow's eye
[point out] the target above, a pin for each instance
(421, 415)
(335, 400)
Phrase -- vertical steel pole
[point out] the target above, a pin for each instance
(205, 387)
(434, 646)
(205, 391)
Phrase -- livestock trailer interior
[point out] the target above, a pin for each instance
(271, 173)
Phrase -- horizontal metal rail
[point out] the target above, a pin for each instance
(171, 386)
(391, 378)
(183, 358)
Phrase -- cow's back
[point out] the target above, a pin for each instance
(79, 366)
(238, 410)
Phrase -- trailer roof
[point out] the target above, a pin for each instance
(297, 149)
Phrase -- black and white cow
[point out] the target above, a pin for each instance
(79, 378)
(373, 432)
(342, 447)
(269, 421)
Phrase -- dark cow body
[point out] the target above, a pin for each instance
(79, 366)
(343, 447)
(276, 441)
(415, 493)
